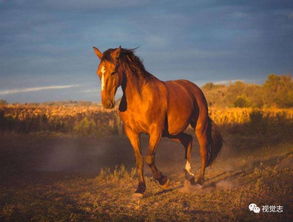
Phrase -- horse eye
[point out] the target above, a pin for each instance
(112, 73)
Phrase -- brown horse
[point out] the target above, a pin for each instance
(159, 109)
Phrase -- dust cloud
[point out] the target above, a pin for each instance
(87, 156)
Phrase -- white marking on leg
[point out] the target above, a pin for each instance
(188, 168)
(103, 70)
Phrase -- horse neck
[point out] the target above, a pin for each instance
(132, 85)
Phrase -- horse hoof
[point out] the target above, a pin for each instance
(189, 187)
(198, 186)
(166, 186)
(137, 196)
(200, 181)
(191, 181)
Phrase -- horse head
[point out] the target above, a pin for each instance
(109, 75)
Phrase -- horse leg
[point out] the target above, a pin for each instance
(150, 159)
(186, 141)
(135, 143)
(202, 137)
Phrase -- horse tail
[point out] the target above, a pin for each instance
(215, 142)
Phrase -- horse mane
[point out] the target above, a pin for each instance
(130, 61)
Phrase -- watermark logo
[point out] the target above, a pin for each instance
(265, 208)
(253, 207)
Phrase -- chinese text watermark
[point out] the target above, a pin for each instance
(266, 208)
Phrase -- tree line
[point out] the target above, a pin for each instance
(276, 91)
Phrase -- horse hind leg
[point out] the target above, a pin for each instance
(202, 137)
(186, 141)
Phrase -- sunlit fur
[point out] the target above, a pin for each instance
(159, 109)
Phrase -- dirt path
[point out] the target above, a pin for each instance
(56, 179)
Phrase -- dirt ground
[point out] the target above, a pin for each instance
(59, 178)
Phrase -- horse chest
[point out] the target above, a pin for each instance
(137, 121)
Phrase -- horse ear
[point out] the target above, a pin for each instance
(117, 52)
(98, 52)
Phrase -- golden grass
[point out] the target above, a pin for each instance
(24, 111)
(95, 120)
(86, 120)
(219, 115)
(223, 116)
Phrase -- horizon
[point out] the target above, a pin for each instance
(98, 102)
(47, 56)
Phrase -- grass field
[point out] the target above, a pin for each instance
(69, 177)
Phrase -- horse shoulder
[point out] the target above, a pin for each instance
(148, 110)
(155, 102)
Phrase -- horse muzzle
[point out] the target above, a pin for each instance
(108, 104)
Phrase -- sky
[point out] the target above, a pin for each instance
(46, 46)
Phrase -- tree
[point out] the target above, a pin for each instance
(241, 101)
(208, 86)
(278, 90)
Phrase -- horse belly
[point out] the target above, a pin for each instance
(180, 109)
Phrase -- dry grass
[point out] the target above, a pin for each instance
(90, 120)
(224, 116)
(93, 120)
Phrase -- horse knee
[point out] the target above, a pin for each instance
(149, 159)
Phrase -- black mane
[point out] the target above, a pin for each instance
(128, 59)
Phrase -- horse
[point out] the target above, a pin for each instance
(159, 109)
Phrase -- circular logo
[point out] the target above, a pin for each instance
(256, 210)
(253, 207)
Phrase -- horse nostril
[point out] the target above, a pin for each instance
(109, 104)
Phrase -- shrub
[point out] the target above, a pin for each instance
(241, 101)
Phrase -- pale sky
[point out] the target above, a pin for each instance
(46, 46)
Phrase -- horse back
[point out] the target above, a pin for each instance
(185, 101)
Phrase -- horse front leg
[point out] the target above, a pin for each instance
(135, 143)
(154, 139)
